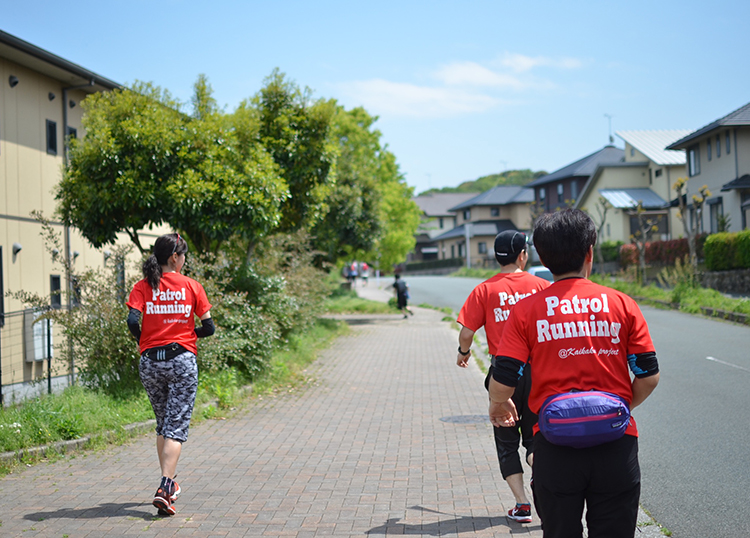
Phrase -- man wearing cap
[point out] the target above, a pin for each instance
(581, 337)
(489, 305)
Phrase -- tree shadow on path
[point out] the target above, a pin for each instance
(456, 525)
(100, 511)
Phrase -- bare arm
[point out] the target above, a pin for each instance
(503, 411)
(642, 389)
(465, 339)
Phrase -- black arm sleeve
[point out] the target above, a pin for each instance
(507, 371)
(643, 364)
(207, 328)
(134, 318)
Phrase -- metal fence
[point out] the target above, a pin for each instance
(30, 362)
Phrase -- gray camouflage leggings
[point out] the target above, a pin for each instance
(171, 386)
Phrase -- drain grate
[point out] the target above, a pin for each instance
(467, 419)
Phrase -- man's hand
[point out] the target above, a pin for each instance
(503, 414)
(463, 360)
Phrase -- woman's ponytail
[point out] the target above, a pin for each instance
(165, 246)
(152, 272)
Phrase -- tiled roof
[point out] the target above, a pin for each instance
(629, 198)
(742, 182)
(653, 144)
(482, 227)
(739, 117)
(500, 195)
(585, 167)
(439, 203)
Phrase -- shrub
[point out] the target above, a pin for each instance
(611, 250)
(721, 252)
(662, 252)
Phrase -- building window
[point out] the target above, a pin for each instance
(542, 193)
(694, 161)
(716, 213)
(453, 251)
(718, 146)
(729, 145)
(574, 190)
(72, 132)
(51, 137)
(482, 247)
(559, 192)
(55, 297)
(494, 211)
(632, 151)
(650, 177)
(609, 234)
(708, 149)
(467, 214)
(440, 220)
(658, 173)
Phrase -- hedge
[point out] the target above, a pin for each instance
(662, 252)
(725, 251)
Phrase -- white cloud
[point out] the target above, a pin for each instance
(473, 74)
(402, 99)
(462, 87)
(520, 63)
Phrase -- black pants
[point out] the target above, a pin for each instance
(606, 477)
(507, 440)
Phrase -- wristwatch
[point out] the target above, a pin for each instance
(464, 353)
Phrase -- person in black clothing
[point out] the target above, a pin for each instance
(402, 295)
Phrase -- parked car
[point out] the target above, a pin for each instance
(541, 271)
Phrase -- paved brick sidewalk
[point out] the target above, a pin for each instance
(363, 451)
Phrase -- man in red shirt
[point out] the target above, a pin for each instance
(580, 336)
(489, 306)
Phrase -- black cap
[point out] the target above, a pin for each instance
(508, 245)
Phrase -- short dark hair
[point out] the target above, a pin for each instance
(563, 238)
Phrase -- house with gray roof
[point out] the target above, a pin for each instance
(436, 219)
(480, 218)
(562, 187)
(718, 156)
(645, 174)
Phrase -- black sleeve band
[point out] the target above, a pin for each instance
(507, 371)
(134, 318)
(207, 328)
(643, 364)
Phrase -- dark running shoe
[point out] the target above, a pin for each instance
(520, 513)
(162, 499)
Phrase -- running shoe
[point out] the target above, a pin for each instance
(521, 513)
(162, 499)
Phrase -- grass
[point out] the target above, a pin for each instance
(347, 302)
(78, 412)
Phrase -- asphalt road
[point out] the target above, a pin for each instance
(695, 432)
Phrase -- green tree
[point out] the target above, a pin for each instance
(351, 226)
(295, 130)
(228, 185)
(117, 173)
(399, 214)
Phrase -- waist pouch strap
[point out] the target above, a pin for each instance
(164, 353)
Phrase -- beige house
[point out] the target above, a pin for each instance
(480, 219)
(436, 219)
(718, 156)
(40, 98)
(645, 174)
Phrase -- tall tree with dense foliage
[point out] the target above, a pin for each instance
(228, 185)
(399, 214)
(295, 130)
(351, 226)
(117, 174)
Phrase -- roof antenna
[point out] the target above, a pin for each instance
(611, 138)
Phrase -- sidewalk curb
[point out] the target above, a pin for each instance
(73, 445)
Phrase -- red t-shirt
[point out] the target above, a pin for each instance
(577, 335)
(489, 304)
(169, 314)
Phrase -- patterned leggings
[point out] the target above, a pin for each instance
(171, 386)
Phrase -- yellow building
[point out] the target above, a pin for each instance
(40, 98)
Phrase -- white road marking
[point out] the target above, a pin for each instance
(727, 364)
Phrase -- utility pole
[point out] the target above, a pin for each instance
(611, 138)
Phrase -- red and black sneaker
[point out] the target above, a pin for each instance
(174, 491)
(163, 498)
(520, 513)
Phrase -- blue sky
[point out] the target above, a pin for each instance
(462, 89)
